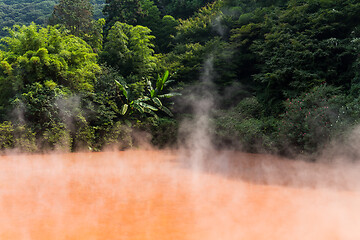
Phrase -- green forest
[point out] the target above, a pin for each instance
(24, 12)
(81, 74)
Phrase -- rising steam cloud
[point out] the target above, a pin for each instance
(195, 133)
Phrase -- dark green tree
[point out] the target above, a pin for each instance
(24, 12)
(165, 34)
(75, 15)
(179, 8)
(126, 11)
(303, 46)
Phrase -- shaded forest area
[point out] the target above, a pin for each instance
(286, 72)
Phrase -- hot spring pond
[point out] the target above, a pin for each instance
(154, 195)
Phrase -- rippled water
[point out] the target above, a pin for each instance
(157, 195)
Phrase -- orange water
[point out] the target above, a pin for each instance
(142, 195)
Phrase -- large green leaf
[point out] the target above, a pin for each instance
(144, 99)
(139, 108)
(166, 110)
(124, 109)
(150, 85)
(161, 81)
(148, 106)
(158, 83)
(169, 95)
(164, 79)
(122, 88)
(168, 82)
(157, 101)
(146, 110)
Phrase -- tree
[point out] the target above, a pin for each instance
(34, 54)
(200, 27)
(149, 15)
(125, 11)
(166, 33)
(75, 15)
(129, 49)
(179, 8)
(133, 12)
(304, 46)
(43, 71)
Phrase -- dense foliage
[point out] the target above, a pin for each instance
(75, 15)
(38, 11)
(286, 72)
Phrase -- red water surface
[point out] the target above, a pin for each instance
(153, 195)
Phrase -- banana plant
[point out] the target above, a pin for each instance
(145, 104)
(131, 105)
(156, 93)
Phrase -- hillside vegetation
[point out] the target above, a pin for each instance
(23, 12)
(286, 72)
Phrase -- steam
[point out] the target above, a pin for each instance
(196, 132)
(218, 26)
(69, 109)
(343, 150)
(17, 114)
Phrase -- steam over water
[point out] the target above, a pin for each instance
(151, 195)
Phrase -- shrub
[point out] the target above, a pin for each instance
(20, 137)
(164, 132)
(119, 135)
(57, 138)
(6, 135)
(83, 135)
(245, 125)
(313, 118)
(25, 139)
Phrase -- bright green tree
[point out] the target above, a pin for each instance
(32, 54)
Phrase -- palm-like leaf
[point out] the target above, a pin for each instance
(151, 112)
(169, 95)
(148, 106)
(124, 109)
(157, 102)
(161, 81)
(139, 108)
(122, 88)
(166, 110)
